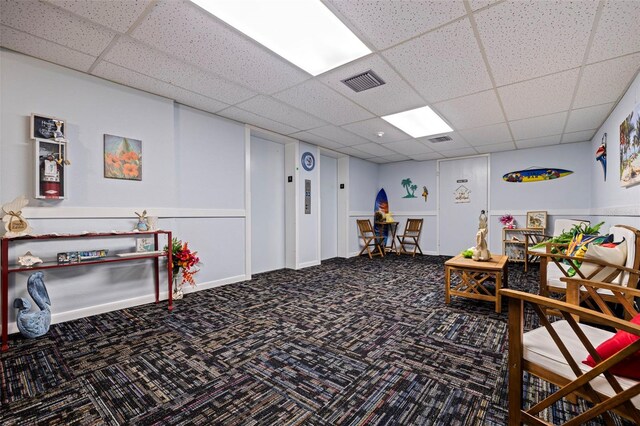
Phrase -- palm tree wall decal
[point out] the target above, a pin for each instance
(408, 186)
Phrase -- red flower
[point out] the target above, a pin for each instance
(184, 260)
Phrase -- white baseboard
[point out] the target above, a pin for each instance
(213, 284)
(431, 253)
(308, 264)
(61, 317)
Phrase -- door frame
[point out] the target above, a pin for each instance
(488, 157)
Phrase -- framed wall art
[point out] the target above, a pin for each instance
(122, 158)
(537, 220)
(44, 127)
(630, 149)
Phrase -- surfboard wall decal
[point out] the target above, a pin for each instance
(381, 205)
(535, 175)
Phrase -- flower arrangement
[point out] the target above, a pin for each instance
(508, 221)
(183, 260)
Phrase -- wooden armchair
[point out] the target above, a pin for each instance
(554, 352)
(554, 266)
(411, 237)
(370, 239)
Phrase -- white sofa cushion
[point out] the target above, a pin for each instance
(540, 349)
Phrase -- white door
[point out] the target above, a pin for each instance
(267, 205)
(462, 195)
(329, 207)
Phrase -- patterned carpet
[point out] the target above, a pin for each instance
(351, 342)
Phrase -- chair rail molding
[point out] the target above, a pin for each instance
(125, 212)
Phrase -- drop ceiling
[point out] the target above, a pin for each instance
(504, 74)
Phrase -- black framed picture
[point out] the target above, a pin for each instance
(44, 127)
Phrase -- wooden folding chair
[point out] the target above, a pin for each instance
(554, 353)
(370, 239)
(411, 237)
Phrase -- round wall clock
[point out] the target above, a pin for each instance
(308, 161)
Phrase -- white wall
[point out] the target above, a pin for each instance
(91, 108)
(193, 178)
(610, 201)
(329, 207)
(565, 198)
(422, 174)
(267, 205)
(363, 188)
(209, 208)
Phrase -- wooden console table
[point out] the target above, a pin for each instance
(473, 276)
(8, 269)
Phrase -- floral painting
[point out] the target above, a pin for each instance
(630, 149)
(122, 158)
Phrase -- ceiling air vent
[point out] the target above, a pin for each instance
(364, 81)
(440, 139)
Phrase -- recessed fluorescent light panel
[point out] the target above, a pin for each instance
(419, 122)
(303, 32)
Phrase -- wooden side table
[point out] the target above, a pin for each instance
(473, 277)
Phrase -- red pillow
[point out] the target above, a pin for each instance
(630, 366)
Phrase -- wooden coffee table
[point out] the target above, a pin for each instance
(473, 278)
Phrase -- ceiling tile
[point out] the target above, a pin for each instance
(487, 135)
(393, 96)
(133, 79)
(544, 95)
(523, 40)
(338, 134)
(443, 64)
(134, 55)
(187, 32)
(588, 118)
(316, 140)
(427, 156)
(583, 136)
(378, 160)
(118, 15)
(385, 23)
(456, 142)
(369, 129)
(50, 23)
(498, 147)
(389, 159)
(471, 111)
(49, 51)
(606, 81)
(195, 100)
(408, 147)
(247, 117)
(536, 142)
(537, 127)
(462, 152)
(617, 33)
(374, 149)
(319, 100)
(479, 4)
(395, 158)
(349, 150)
(283, 113)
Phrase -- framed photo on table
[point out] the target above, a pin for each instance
(537, 220)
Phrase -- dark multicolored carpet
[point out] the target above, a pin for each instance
(351, 342)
